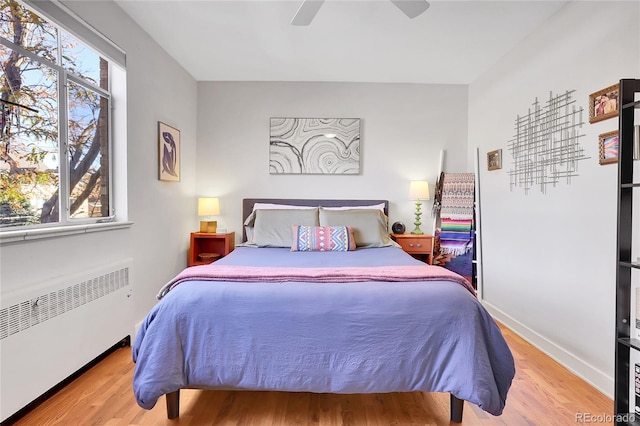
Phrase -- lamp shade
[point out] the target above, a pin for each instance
(208, 207)
(419, 190)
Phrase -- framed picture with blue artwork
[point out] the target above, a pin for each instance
(168, 153)
(609, 147)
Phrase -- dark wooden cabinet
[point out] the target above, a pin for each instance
(629, 107)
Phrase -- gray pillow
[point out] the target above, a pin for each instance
(272, 227)
(370, 227)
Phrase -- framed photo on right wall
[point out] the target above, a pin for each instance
(494, 160)
(609, 147)
(603, 104)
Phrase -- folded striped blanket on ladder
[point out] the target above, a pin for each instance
(456, 236)
(456, 213)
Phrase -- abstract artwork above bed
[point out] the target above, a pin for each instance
(314, 146)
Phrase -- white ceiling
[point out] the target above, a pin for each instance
(453, 42)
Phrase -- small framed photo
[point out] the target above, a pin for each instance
(168, 153)
(494, 159)
(603, 104)
(609, 147)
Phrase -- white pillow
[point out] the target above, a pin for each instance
(271, 206)
(372, 207)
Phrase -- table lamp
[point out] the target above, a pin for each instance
(208, 207)
(418, 190)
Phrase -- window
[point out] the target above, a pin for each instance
(55, 115)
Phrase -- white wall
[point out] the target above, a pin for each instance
(549, 259)
(158, 89)
(403, 128)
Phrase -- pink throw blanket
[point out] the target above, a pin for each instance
(213, 272)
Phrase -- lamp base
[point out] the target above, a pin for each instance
(209, 226)
(418, 231)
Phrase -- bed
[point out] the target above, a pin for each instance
(304, 318)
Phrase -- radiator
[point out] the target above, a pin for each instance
(51, 330)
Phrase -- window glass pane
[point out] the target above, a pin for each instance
(29, 154)
(33, 186)
(24, 28)
(88, 153)
(83, 62)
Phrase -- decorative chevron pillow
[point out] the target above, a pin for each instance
(323, 238)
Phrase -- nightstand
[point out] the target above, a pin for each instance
(207, 247)
(418, 246)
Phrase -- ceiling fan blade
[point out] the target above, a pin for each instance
(411, 8)
(306, 12)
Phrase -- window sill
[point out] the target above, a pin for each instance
(42, 233)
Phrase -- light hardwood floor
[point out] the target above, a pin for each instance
(543, 393)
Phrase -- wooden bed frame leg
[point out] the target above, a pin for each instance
(456, 409)
(173, 404)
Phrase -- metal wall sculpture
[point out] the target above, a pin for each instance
(546, 147)
(314, 146)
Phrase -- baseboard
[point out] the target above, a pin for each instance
(596, 378)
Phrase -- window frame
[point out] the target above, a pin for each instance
(66, 223)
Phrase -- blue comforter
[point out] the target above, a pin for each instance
(367, 337)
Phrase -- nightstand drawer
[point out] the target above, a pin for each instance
(415, 245)
(418, 246)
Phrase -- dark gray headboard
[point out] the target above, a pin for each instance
(247, 205)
